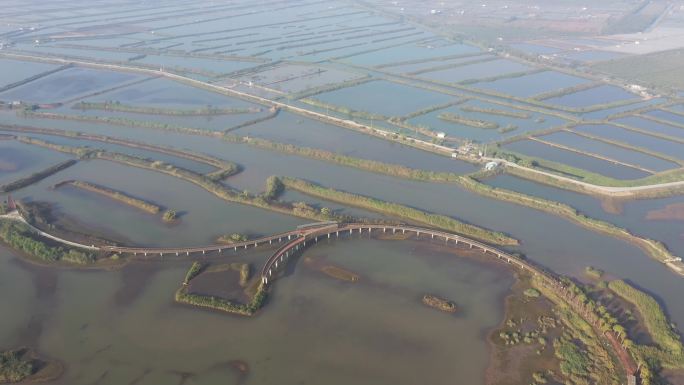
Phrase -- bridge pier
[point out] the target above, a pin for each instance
(351, 230)
(269, 272)
(146, 254)
(235, 248)
(403, 231)
(202, 252)
(161, 254)
(328, 235)
(337, 234)
(384, 229)
(289, 237)
(264, 280)
(176, 254)
(276, 263)
(270, 241)
(187, 253)
(432, 236)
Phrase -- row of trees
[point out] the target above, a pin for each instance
(19, 237)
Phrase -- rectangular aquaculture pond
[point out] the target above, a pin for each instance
(533, 84)
(609, 150)
(13, 71)
(70, 83)
(500, 67)
(412, 51)
(383, 97)
(503, 121)
(652, 126)
(604, 94)
(585, 162)
(634, 138)
(302, 132)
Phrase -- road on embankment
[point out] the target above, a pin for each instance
(604, 190)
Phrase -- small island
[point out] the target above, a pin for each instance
(340, 273)
(170, 216)
(24, 365)
(439, 303)
(232, 238)
(113, 194)
(254, 294)
(13, 367)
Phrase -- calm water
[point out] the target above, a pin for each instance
(204, 217)
(615, 152)
(530, 85)
(536, 121)
(412, 52)
(581, 161)
(383, 97)
(296, 78)
(603, 94)
(313, 330)
(634, 138)
(476, 71)
(66, 84)
(300, 131)
(631, 214)
(121, 327)
(666, 115)
(163, 93)
(651, 126)
(18, 160)
(201, 168)
(12, 71)
(563, 247)
(426, 65)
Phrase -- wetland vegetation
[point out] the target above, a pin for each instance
(399, 211)
(183, 294)
(35, 177)
(439, 303)
(113, 194)
(584, 103)
(20, 237)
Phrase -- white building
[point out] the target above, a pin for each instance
(491, 166)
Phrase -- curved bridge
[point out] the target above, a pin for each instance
(279, 258)
(297, 239)
(161, 251)
(546, 278)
